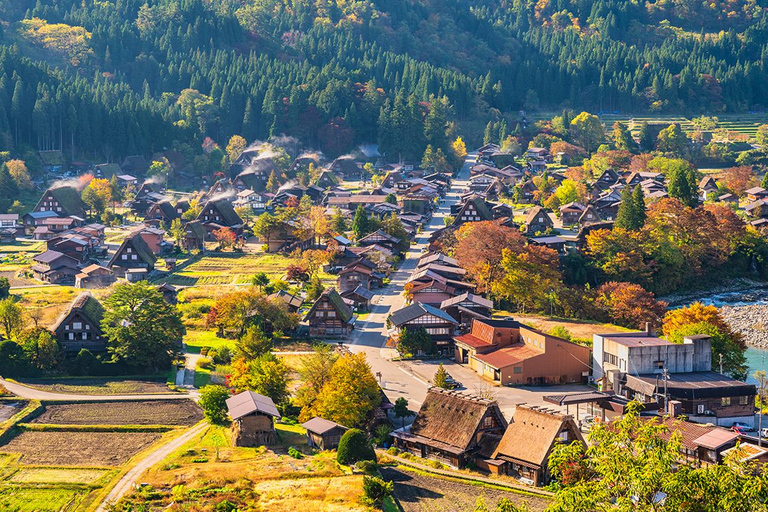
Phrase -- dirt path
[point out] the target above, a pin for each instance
(127, 482)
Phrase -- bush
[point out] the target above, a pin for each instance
(222, 356)
(367, 466)
(296, 454)
(213, 401)
(354, 446)
(205, 363)
(376, 490)
(381, 435)
(392, 450)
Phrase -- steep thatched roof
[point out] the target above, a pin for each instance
(451, 418)
(69, 199)
(87, 305)
(531, 435)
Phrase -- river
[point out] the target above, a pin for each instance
(757, 358)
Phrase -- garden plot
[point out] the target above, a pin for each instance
(78, 448)
(150, 412)
(58, 476)
(19, 499)
(100, 386)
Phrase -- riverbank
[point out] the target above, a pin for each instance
(751, 321)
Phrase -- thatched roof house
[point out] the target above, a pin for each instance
(529, 439)
(450, 427)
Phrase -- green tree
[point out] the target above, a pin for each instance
(177, 231)
(339, 221)
(260, 279)
(646, 137)
(683, 186)
(13, 360)
(315, 289)
(5, 288)
(622, 137)
(763, 184)
(273, 184)
(354, 446)
(391, 198)
(141, 327)
(628, 216)
(360, 223)
(350, 394)
(413, 341)
(253, 344)
(11, 318)
(441, 377)
(673, 140)
(213, 402)
(266, 375)
(638, 198)
(401, 410)
(314, 372)
(42, 349)
(587, 131)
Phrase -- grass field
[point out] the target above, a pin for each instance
(18, 499)
(100, 386)
(78, 448)
(30, 246)
(195, 340)
(150, 412)
(580, 330)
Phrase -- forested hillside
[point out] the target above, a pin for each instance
(110, 78)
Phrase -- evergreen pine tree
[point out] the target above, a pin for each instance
(488, 135)
(639, 207)
(360, 223)
(440, 379)
(647, 140)
(764, 183)
(625, 218)
(682, 186)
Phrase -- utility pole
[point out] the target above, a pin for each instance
(721, 363)
(760, 393)
(665, 376)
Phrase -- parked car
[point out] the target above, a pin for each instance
(452, 383)
(764, 433)
(743, 426)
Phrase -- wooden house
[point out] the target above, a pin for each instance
(323, 434)
(330, 316)
(194, 236)
(527, 189)
(54, 267)
(757, 209)
(219, 214)
(708, 187)
(79, 327)
(148, 194)
(537, 221)
(292, 302)
(250, 179)
(589, 216)
(135, 165)
(133, 253)
(451, 427)
(360, 273)
(34, 220)
(252, 419)
(346, 168)
(571, 213)
(170, 293)
(94, 276)
(474, 209)
(756, 194)
(162, 211)
(431, 288)
(360, 297)
(529, 439)
(73, 245)
(327, 180)
(466, 307)
(63, 201)
(437, 323)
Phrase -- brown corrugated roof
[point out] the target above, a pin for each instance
(249, 402)
(320, 426)
(508, 356)
(530, 435)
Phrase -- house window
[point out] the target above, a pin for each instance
(518, 370)
(133, 256)
(72, 336)
(488, 422)
(725, 401)
(331, 314)
(124, 257)
(743, 400)
(77, 325)
(563, 436)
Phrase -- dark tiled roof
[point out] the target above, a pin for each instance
(409, 313)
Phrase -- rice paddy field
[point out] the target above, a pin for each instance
(745, 124)
(229, 269)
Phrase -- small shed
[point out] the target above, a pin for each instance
(323, 434)
(252, 416)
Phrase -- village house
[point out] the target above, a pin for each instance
(292, 302)
(537, 221)
(323, 434)
(330, 316)
(326, 180)
(133, 253)
(346, 168)
(154, 238)
(33, 220)
(757, 209)
(54, 267)
(162, 211)
(79, 327)
(148, 194)
(283, 237)
(641, 366)
(353, 201)
(509, 353)
(135, 165)
(63, 201)
(194, 236)
(360, 297)
(432, 288)
(527, 189)
(73, 245)
(529, 439)
(94, 276)
(219, 214)
(169, 292)
(437, 323)
(554, 242)
(475, 209)
(9, 221)
(466, 307)
(451, 428)
(756, 193)
(360, 273)
(571, 213)
(708, 188)
(379, 237)
(252, 419)
(589, 216)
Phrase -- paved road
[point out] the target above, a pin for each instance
(36, 394)
(411, 379)
(128, 481)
